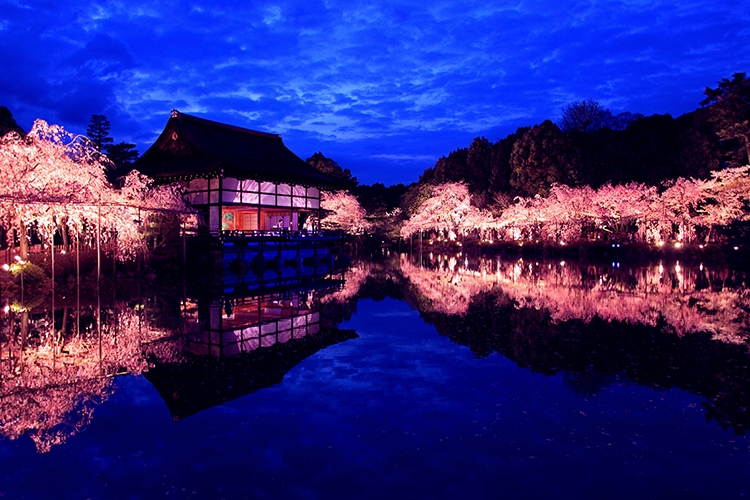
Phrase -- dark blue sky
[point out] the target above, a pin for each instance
(384, 89)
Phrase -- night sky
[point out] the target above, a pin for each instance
(383, 89)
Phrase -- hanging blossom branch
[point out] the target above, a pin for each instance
(54, 180)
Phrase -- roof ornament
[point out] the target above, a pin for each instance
(175, 114)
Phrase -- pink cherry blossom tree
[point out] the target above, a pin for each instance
(447, 212)
(54, 180)
(344, 213)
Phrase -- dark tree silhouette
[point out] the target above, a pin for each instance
(122, 153)
(542, 157)
(8, 123)
(326, 165)
(585, 117)
(98, 132)
(729, 104)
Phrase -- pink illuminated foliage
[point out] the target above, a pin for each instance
(344, 213)
(54, 181)
(49, 388)
(448, 212)
(628, 212)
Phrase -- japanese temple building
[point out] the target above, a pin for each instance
(242, 181)
(254, 195)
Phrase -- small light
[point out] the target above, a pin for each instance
(6, 267)
(661, 243)
(6, 309)
(562, 263)
(677, 245)
(736, 248)
(700, 246)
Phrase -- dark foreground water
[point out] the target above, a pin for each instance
(431, 379)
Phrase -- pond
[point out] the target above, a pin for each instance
(408, 377)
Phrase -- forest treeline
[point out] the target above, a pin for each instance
(587, 146)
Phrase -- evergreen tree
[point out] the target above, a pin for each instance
(544, 156)
(729, 104)
(98, 132)
(328, 166)
(122, 153)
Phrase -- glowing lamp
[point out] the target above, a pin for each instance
(6, 267)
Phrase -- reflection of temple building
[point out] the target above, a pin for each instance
(56, 367)
(244, 344)
(243, 325)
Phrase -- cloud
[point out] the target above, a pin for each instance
(402, 157)
(403, 81)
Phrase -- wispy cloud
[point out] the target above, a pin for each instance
(400, 83)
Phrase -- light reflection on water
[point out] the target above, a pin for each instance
(462, 379)
(688, 299)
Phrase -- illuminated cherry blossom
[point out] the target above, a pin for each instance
(53, 180)
(344, 213)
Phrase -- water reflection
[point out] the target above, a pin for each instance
(58, 364)
(241, 345)
(682, 299)
(660, 326)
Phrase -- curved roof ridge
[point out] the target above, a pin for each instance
(204, 121)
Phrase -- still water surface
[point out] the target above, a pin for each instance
(432, 378)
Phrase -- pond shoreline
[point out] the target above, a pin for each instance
(637, 253)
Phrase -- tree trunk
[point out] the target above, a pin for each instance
(23, 239)
(64, 232)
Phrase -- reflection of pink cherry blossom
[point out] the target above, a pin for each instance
(641, 296)
(50, 390)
